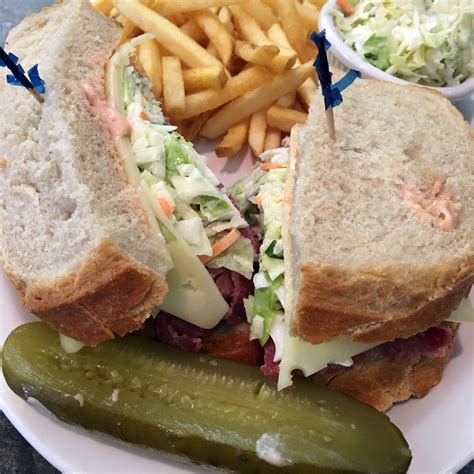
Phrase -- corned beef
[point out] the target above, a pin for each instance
(270, 368)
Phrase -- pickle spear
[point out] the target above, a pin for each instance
(208, 410)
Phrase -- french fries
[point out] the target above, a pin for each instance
(234, 69)
(262, 55)
(167, 33)
(272, 139)
(236, 86)
(255, 100)
(173, 85)
(287, 100)
(307, 90)
(308, 15)
(262, 13)
(194, 31)
(150, 58)
(217, 33)
(194, 126)
(290, 22)
(104, 6)
(168, 7)
(208, 77)
(225, 17)
(233, 140)
(283, 118)
(257, 132)
(252, 32)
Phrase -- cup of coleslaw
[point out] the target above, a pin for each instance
(395, 38)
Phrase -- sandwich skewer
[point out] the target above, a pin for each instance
(20, 76)
(331, 92)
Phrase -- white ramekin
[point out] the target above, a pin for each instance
(344, 57)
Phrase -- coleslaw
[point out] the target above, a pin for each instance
(189, 194)
(427, 42)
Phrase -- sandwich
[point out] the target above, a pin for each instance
(138, 234)
(107, 213)
(111, 223)
(367, 257)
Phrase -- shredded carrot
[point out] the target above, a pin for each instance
(258, 200)
(144, 116)
(346, 7)
(166, 206)
(220, 245)
(270, 166)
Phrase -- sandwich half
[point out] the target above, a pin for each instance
(107, 214)
(367, 255)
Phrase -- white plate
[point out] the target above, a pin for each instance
(439, 428)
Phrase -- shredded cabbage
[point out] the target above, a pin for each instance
(177, 176)
(268, 300)
(238, 258)
(427, 42)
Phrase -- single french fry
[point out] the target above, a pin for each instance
(173, 85)
(211, 49)
(272, 4)
(217, 33)
(166, 33)
(168, 7)
(248, 27)
(181, 128)
(255, 100)
(283, 118)
(287, 100)
(200, 78)
(233, 140)
(104, 6)
(262, 13)
(150, 58)
(262, 55)
(252, 33)
(290, 21)
(298, 107)
(225, 18)
(129, 29)
(245, 81)
(318, 3)
(257, 132)
(194, 31)
(283, 61)
(308, 16)
(272, 139)
(179, 19)
(194, 126)
(307, 90)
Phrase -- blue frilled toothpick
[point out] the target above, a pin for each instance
(331, 92)
(31, 80)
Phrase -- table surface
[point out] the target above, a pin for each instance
(16, 455)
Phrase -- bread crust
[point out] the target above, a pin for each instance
(378, 304)
(384, 380)
(108, 294)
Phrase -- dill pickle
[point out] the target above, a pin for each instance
(210, 411)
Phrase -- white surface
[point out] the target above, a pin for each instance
(352, 60)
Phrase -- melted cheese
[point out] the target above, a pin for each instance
(311, 358)
(193, 296)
